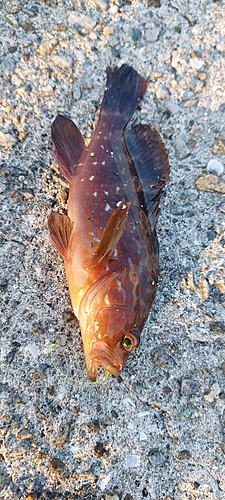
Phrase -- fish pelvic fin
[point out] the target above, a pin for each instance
(150, 159)
(60, 227)
(125, 89)
(110, 238)
(69, 145)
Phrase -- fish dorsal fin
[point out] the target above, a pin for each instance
(110, 238)
(60, 227)
(69, 145)
(150, 159)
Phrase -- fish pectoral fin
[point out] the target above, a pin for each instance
(60, 227)
(110, 238)
(150, 159)
(69, 145)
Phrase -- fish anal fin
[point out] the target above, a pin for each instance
(60, 227)
(150, 160)
(112, 234)
(69, 145)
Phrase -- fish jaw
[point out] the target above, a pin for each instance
(102, 355)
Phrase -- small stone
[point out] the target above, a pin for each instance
(101, 4)
(99, 449)
(196, 63)
(133, 461)
(32, 349)
(12, 21)
(28, 194)
(64, 196)
(181, 149)
(145, 492)
(27, 26)
(215, 166)
(143, 436)
(62, 63)
(68, 316)
(80, 23)
(184, 455)
(202, 76)
(152, 34)
(173, 108)
(203, 288)
(161, 357)
(111, 496)
(218, 148)
(197, 130)
(12, 6)
(56, 465)
(76, 411)
(210, 183)
(7, 140)
(128, 497)
(223, 367)
(135, 34)
(129, 403)
(46, 47)
(103, 482)
(214, 393)
(189, 387)
(154, 3)
(24, 434)
(217, 327)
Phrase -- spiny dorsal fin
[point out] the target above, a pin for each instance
(150, 159)
(110, 238)
(69, 145)
(60, 227)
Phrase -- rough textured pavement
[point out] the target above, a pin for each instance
(159, 431)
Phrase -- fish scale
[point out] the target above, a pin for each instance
(108, 239)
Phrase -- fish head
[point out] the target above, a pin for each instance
(113, 336)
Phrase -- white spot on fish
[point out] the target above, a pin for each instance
(95, 194)
(117, 189)
(106, 192)
(102, 146)
(111, 153)
(82, 180)
(91, 178)
(107, 300)
(107, 207)
(103, 163)
(119, 203)
(92, 154)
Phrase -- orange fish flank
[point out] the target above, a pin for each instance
(108, 239)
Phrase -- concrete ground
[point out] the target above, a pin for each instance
(158, 432)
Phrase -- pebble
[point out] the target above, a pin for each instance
(214, 393)
(215, 166)
(196, 63)
(143, 436)
(152, 34)
(217, 327)
(136, 34)
(189, 387)
(32, 349)
(103, 482)
(133, 461)
(12, 6)
(218, 148)
(161, 357)
(129, 403)
(7, 140)
(111, 496)
(173, 108)
(101, 4)
(154, 3)
(56, 465)
(184, 455)
(46, 47)
(181, 149)
(62, 63)
(80, 23)
(210, 183)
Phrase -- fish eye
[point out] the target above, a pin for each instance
(130, 341)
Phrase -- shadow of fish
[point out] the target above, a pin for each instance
(108, 239)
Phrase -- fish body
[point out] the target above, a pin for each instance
(108, 238)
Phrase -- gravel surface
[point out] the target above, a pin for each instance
(158, 431)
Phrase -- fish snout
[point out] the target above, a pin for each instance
(102, 355)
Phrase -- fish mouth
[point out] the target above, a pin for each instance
(102, 355)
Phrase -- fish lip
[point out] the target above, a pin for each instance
(102, 355)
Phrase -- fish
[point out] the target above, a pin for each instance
(108, 238)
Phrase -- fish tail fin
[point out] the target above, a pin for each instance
(125, 89)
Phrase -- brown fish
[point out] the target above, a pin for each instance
(108, 239)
